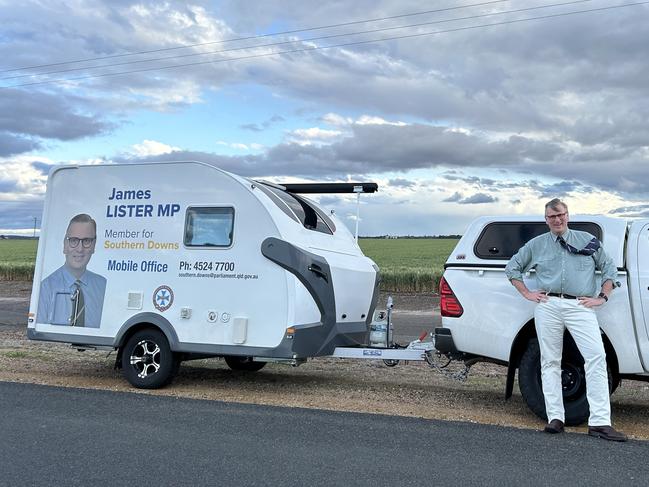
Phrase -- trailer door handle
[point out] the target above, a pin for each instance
(318, 271)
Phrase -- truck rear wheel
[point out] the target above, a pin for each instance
(573, 379)
(147, 360)
(246, 364)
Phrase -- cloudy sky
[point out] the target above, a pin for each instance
(455, 108)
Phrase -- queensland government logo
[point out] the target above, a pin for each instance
(163, 298)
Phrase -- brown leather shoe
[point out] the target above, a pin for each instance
(555, 426)
(606, 433)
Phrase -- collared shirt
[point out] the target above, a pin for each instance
(559, 271)
(56, 297)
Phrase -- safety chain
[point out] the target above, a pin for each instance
(432, 358)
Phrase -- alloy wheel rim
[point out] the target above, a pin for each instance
(145, 358)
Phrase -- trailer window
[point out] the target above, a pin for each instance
(209, 227)
(502, 240)
(300, 209)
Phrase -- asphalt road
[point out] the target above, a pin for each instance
(63, 436)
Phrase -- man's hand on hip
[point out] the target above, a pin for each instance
(591, 302)
(536, 296)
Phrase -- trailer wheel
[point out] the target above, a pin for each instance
(147, 360)
(246, 364)
(573, 379)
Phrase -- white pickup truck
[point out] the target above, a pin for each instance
(484, 318)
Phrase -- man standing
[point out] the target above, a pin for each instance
(565, 262)
(73, 295)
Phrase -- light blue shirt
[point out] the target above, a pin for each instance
(559, 271)
(55, 298)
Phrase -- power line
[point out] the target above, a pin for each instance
(260, 36)
(320, 38)
(316, 48)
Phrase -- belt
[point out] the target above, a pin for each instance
(559, 295)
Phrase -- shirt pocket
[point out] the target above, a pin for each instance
(582, 263)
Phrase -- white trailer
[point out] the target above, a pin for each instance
(166, 262)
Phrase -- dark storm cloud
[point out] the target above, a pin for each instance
(47, 116)
(454, 198)
(470, 179)
(558, 190)
(20, 214)
(12, 144)
(478, 198)
(578, 104)
(255, 127)
(635, 209)
(389, 148)
(402, 183)
(544, 190)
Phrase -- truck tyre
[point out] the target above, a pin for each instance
(573, 378)
(147, 360)
(246, 364)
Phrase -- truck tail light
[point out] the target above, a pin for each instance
(449, 304)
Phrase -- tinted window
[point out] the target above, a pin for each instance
(278, 201)
(209, 227)
(314, 218)
(502, 240)
(300, 210)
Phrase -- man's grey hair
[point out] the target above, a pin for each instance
(82, 218)
(555, 204)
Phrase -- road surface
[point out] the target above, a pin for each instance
(64, 436)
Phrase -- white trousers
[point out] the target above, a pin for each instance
(552, 318)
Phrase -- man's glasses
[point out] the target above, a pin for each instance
(558, 216)
(73, 242)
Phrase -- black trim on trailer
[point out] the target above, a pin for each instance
(325, 188)
(314, 273)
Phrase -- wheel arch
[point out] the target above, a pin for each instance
(142, 321)
(525, 334)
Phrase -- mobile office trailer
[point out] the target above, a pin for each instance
(171, 261)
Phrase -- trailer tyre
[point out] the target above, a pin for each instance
(246, 364)
(573, 378)
(147, 360)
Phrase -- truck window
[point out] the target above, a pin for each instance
(209, 227)
(300, 209)
(502, 240)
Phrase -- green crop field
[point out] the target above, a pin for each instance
(17, 259)
(18, 250)
(407, 264)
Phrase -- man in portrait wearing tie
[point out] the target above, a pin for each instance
(565, 263)
(72, 295)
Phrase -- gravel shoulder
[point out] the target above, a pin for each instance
(411, 389)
